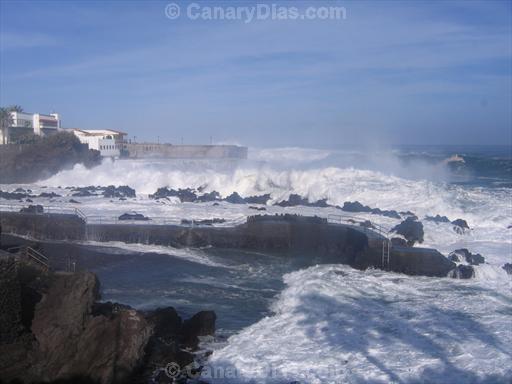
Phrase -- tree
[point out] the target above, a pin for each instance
(15, 108)
(5, 122)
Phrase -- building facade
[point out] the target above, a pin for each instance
(108, 142)
(24, 123)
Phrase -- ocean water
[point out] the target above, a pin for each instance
(290, 319)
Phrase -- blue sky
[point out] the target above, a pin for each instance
(394, 72)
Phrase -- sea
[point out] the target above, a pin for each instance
(284, 319)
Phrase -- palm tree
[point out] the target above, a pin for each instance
(16, 108)
(5, 122)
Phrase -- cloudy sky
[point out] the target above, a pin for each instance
(391, 72)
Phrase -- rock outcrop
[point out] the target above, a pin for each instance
(463, 254)
(411, 229)
(53, 328)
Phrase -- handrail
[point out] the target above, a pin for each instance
(351, 220)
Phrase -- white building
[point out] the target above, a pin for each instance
(25, 123)
(108, 142)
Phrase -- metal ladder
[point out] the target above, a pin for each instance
(386, 245)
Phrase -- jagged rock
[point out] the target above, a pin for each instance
(258, 208)
(185, 195)
(211, 196)
(463, 272)
(356, 206)
(72, 338)
(508, 268)
(50, 195)
(460, 226)
(133, 216)
(437, 219)
(411, 229)
(262, 199)
(293, 201)
(470, 258)
(121, 191)
(14, 195)
(366, 224)
(73, 201)
(201, 324)
(399, 242)
(32, 209)
(235, 198)
(454, 257)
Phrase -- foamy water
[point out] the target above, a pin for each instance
(331, 323)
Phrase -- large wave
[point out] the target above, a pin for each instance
(333, 324)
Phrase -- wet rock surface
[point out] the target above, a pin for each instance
(54, 328)
(411, 230)
(356, 206)
(464, 254)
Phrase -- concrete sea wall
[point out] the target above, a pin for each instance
(298, 236)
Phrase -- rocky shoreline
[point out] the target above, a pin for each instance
(55, 329)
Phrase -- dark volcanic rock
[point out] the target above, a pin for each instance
(50, 195)
(32, 209)
(73, 201)
(235, 198)
(211, 196)
(463, 272)
(356, 206)
(262, 199)
(258, 208)
(508, 268)
(201, 324)
(437, 219)
(293, 201)
(470, 258)
(185, 195)
(84, 191)
(70, 337)
(411, 229)
(14, 195)
(460, 225)
(133, 216)
(121, 191)
(398, 241)
(296, 200)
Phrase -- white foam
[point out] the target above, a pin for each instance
(333, 324)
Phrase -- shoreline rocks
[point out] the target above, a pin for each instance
(411, 230)
(54, 328)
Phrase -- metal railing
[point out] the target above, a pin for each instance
(359, 223)
(98, 219)
(31, 254)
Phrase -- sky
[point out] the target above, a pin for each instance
(398, 72)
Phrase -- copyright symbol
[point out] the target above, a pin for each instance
(172, 370)
(172, 11)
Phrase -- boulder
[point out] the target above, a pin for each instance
(437, 219)
(508, 268)
(185, 195)
(411, 229)
(235, 198)
(49, 195)
(463, 272)
(133, 216)
(201, 324)
(355, 206)
(460, 226)
(398, 241)
(464, 254)
(211, 196)
(262, 199)
(122, 191)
